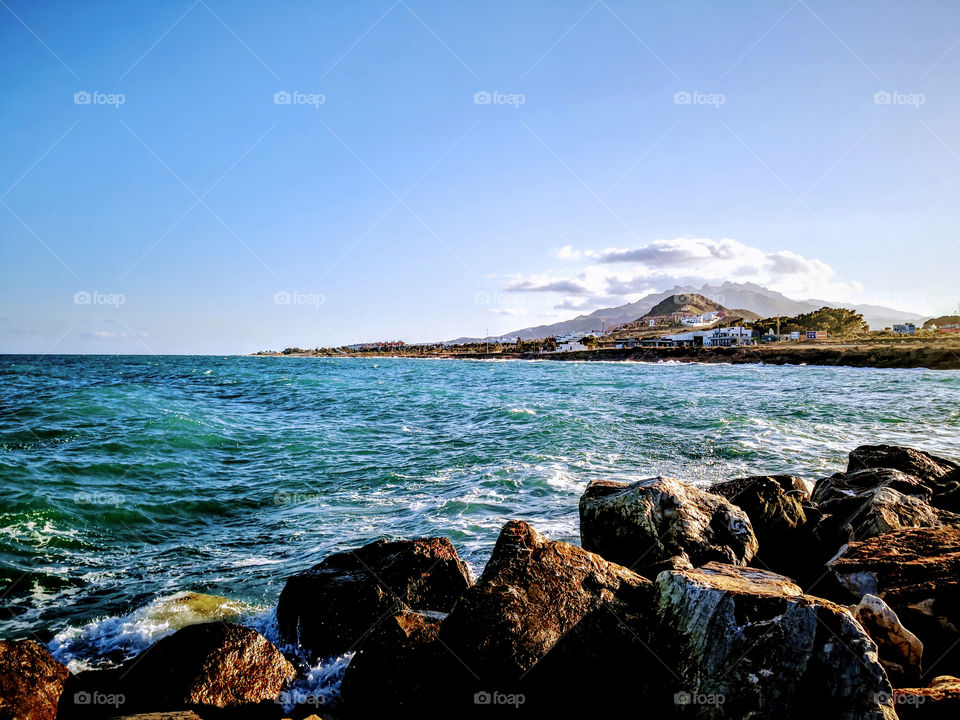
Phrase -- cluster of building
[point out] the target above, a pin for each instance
(715, 337)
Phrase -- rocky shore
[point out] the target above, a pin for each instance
(766, 597)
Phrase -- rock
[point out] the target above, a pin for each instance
(900, 650)
(841, 486)
(329, 609)
(777, 507)
(939, 475)
(747, 643)
(211, 665)
(30, 681)
(875, 512)
(389, 674)
(917, 573)
(641, 524)
(939, 701)
(532, 592)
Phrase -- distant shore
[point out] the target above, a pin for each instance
(933, 356)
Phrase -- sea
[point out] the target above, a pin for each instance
(139, 494)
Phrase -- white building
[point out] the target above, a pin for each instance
(906, 329)
(570, 346)
(727, 337)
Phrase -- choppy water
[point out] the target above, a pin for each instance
(128, 481)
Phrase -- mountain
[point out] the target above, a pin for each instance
(692, 303)
(748, 296)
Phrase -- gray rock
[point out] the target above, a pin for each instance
(650, 522)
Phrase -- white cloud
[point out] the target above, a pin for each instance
(626, 274)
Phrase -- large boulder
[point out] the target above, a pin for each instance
(30, 681)
(840, 486)
(531, 593)
(782, 519)
(654, 523)
(917, 573)
(939, 475)
(209, 666)
(901, 652)
(875, 512)
(391, 671)
(746, 643)
(329, 609)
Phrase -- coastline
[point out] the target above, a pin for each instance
(914, 355)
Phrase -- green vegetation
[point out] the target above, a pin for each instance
(837, 322)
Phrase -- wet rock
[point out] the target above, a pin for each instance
(329, 609)
(777, 506)
(208, 666)
(30, 681)
(900, 650)
(917, 573)
(938, 701)
(853, 484)
(389, 673)
(651, 521)
(532, 592)
(939, 475)
(747, 643)
(875, 512)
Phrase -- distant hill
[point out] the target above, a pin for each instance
(748, 297)
(692, 303)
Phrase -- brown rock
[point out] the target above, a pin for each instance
(900, 650)
(917, 573)
(649, 522)
(329, 609)
(30, 681)
(855, 483)
(531, 593)
(211, 665)
(390, 671)
(939, 701)
(939, 475)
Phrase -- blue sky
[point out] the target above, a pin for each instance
(625, 147)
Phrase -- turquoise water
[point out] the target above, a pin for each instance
(125, 480)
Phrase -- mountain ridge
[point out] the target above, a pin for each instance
(749, 296)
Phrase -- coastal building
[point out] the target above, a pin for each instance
(570, 346)
(816, 334)
(729, 337)
(950, 328)
(905, 329)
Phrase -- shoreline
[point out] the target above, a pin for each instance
(930, 357)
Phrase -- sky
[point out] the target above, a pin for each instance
(224, 177)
